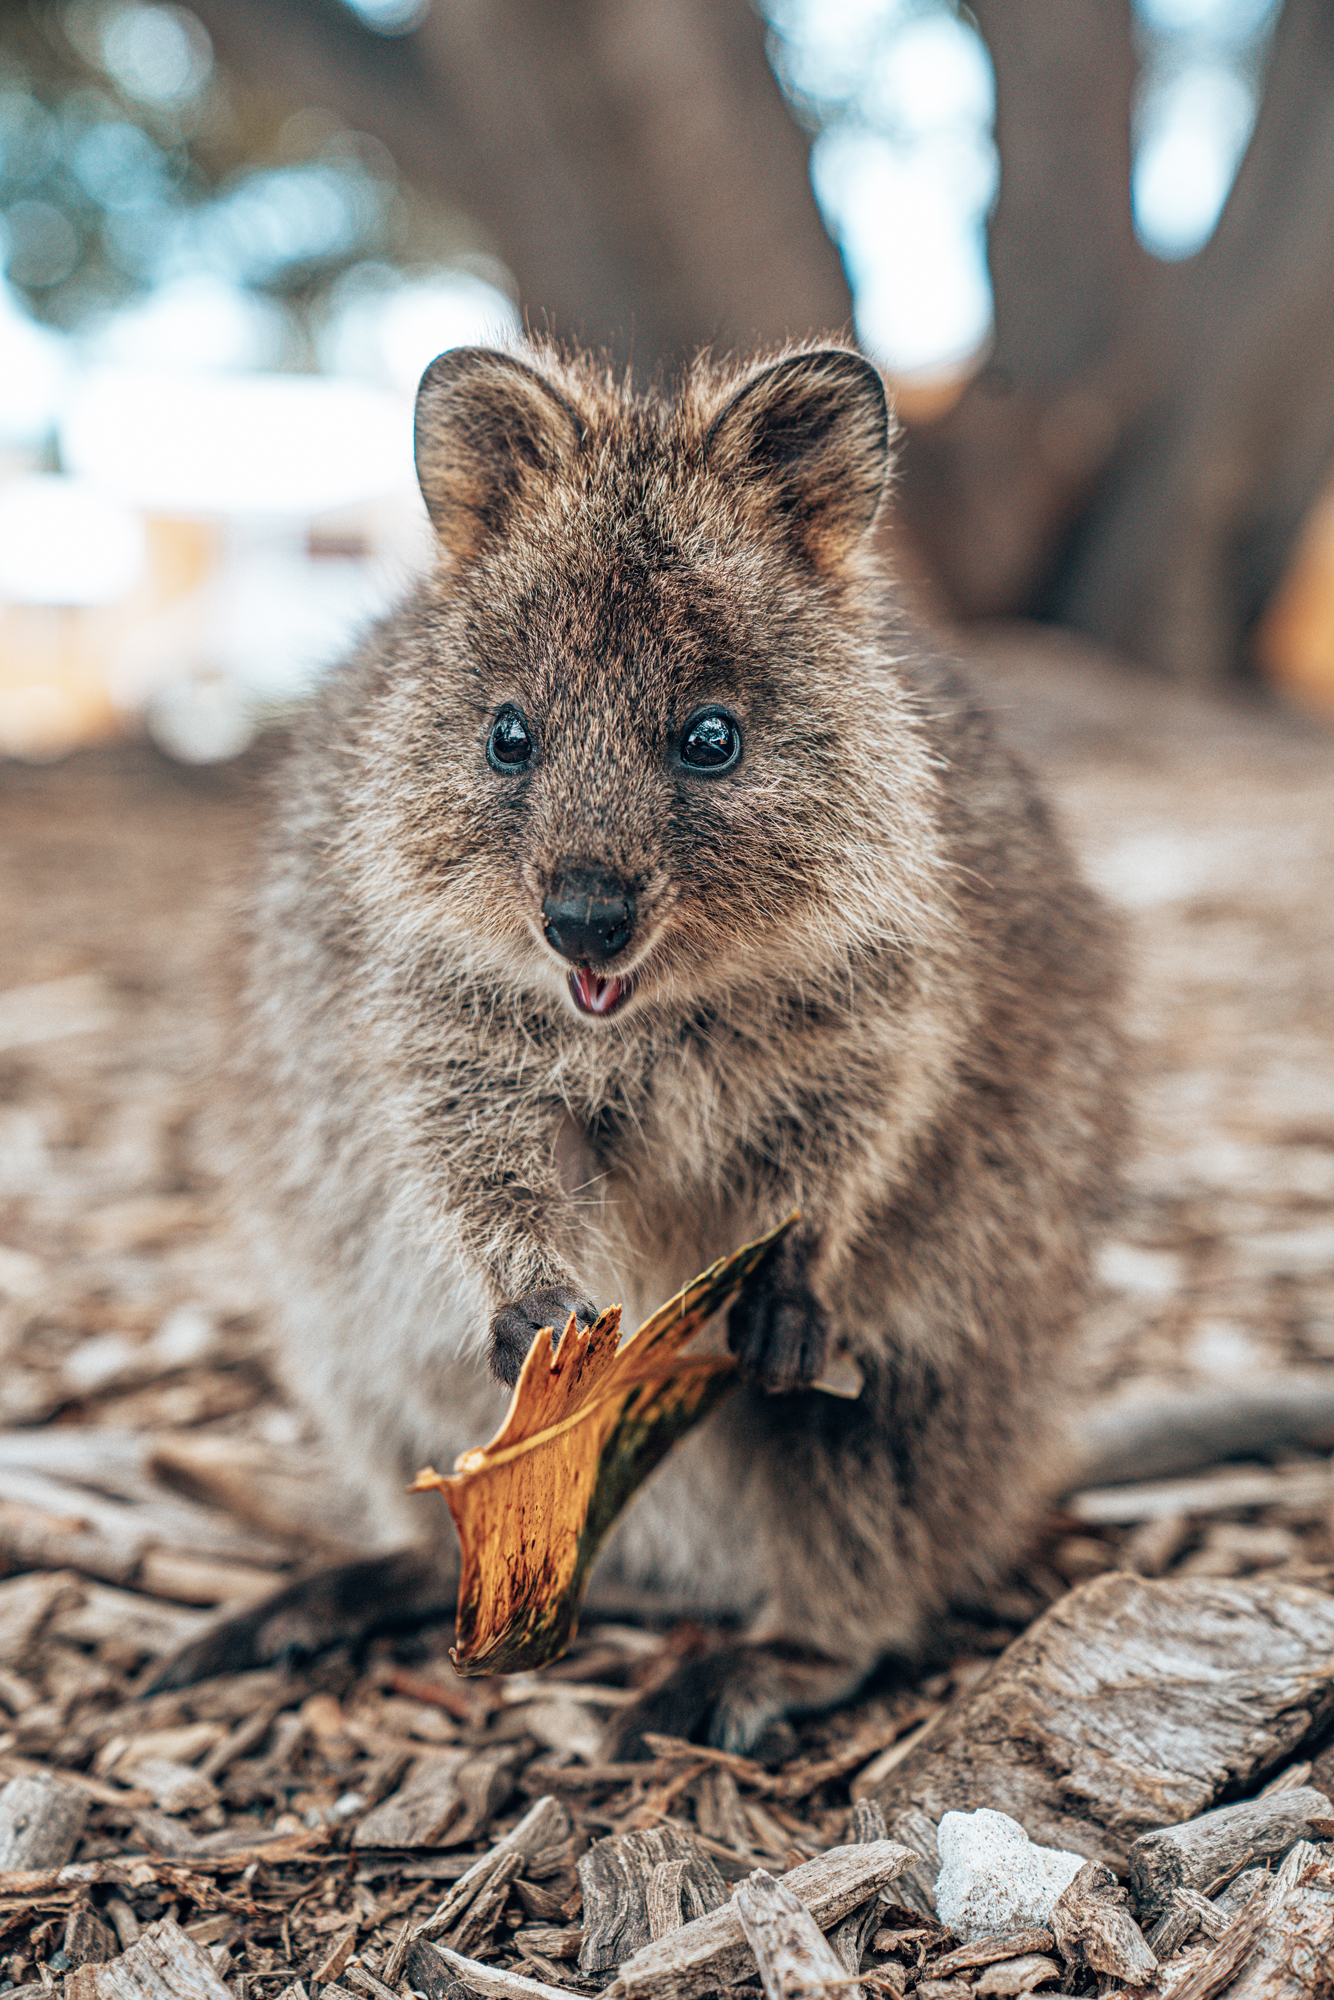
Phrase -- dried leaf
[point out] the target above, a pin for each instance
(586, 1425)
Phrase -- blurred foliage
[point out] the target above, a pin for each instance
(131, 159)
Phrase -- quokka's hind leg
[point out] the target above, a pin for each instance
(340, 1605)
(880, 1515)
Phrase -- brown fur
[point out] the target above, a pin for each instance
(867, 983)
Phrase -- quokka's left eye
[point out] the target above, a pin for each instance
(710, 742)
(509, 747)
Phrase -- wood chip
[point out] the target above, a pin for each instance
(124, 1616)
(101, 1794)
(1218, 1492)
(417, 1814)
(678, 1891)
(87, 1940)
(193, 1579)
(1204, 1975)
(485, 1785)
(290, 1491)
(868, 1821)
(884, 1739)
(1290, 1780)
(1092, 1926)
(676, 1750)
(1209, 1917)
(124, 1921)
(1219, 1844)
(1019, 1975)
(875, 1773)
(719, 1813)
(27, 1604)
(183, 1744)
(712, 1951)
(92, 1492)
(539, 1902)
(549, 1942)
(363, 1981)
(336, 1957)
(248, 1734)
(542, 1776)
(1232, 1895)
(40, 1823)
(915, 1888)
(432, 1968)
(791, 1951)
(615, 1875)
(1295, 1947)
(545, 1823)
(852, 1936)
(1126, 1696)
(565, 1726)
(484, 1913)
(165, 1964)
(988, 1951)
(176, 1788)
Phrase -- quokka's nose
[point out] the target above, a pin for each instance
(590, 914)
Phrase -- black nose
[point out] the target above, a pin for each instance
(589, 914)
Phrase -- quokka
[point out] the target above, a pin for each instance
(648, 875)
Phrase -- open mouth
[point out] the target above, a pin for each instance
(594, 995)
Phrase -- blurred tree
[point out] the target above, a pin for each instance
(1138, 454)
(1145, 439)
(128, 161)
(635, 164)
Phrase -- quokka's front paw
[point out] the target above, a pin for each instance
(513, 1327)
(779, 1337)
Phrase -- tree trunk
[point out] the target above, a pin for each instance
(632, 160)
(989, 492)
(1067, 273)
(1139, 453)
(1191, 532)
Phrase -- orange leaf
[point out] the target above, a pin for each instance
(586, 1425)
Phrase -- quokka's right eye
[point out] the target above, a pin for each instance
(509, 747)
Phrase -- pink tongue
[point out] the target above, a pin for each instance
(598, 996)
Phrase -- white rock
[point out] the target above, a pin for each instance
(993, 1878)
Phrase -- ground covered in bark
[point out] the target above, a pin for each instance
(297, 1824)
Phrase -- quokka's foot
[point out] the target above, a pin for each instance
(737, 1699)
(340, 1605)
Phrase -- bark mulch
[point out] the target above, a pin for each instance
(299, 1824)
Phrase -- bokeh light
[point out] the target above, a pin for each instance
(213, 319)
(1193, 131)
(900, 97)
(65, 542)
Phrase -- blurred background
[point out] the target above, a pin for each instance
(1092, 247)
(1091, 244)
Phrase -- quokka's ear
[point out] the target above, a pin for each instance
(488, 429)
(808, 440)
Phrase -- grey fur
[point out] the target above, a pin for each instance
(867, 983)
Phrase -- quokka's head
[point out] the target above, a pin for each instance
(646, 739)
